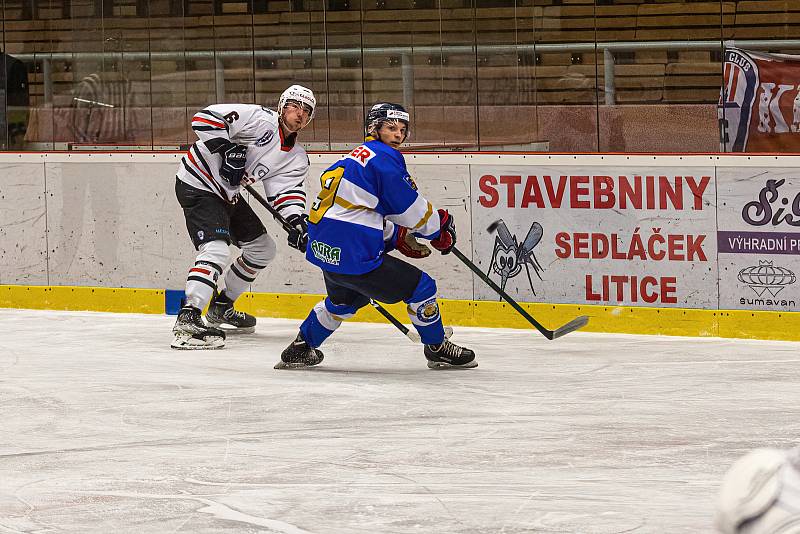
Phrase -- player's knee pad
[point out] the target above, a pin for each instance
(256, 255)
(331, 315)
(215, 252)
(260, 251)
(211, 259)
(324, 319)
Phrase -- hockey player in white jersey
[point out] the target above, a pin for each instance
(239, 144)
(368, 206)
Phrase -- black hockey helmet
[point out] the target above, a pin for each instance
(384, 112)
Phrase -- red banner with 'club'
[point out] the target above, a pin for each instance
(759, 106)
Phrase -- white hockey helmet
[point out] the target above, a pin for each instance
(760, 494)
(302, 95)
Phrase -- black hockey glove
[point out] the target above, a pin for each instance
(234, 158)
(447, 233)
(298, 235)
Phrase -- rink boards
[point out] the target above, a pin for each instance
(701, 245)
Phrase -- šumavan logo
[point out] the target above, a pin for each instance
(510, 256)
(769, 279)
(766, 277)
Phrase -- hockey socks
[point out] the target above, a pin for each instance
(256, 255)
(323, 320)
(202, 280)
(424, 311)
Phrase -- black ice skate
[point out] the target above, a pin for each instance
(449, 355)
(299, 354)
(224, 316)
(192, 333)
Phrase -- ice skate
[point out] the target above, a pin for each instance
(192, 333)
(298, 355)
(221, 314)
(449, 355)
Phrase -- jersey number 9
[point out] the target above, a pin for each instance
(327, 196)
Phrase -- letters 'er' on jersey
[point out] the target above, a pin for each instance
(280, 163)
(346, 228)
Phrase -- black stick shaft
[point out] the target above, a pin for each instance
(575, 324)
(466, 261)
(275, 213)
(392, 319)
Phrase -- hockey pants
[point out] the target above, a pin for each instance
(394, 280)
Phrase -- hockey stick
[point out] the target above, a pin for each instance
(410, 334)
(575, 324)
(413, 336)
(275, 213)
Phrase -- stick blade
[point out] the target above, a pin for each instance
(575, 324)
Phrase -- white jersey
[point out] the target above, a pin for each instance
(278, 162)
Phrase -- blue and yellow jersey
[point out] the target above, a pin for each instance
(364, 195)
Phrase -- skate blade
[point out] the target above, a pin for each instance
(284, 365)
(229, 329)
(445, 365)
(189, 342)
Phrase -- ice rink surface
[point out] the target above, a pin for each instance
(105, 429)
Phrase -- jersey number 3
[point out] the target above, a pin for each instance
(330, 183)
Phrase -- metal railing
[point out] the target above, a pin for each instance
(405, 53)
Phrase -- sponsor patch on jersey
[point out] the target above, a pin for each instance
(326, 253)
(361, 154)
(411, 182)
(428, 311)
(265, 139)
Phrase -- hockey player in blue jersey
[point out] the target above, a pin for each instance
(368, 206)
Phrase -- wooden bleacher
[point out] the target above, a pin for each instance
(767, 19)
(677, 21)
(441, 77)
